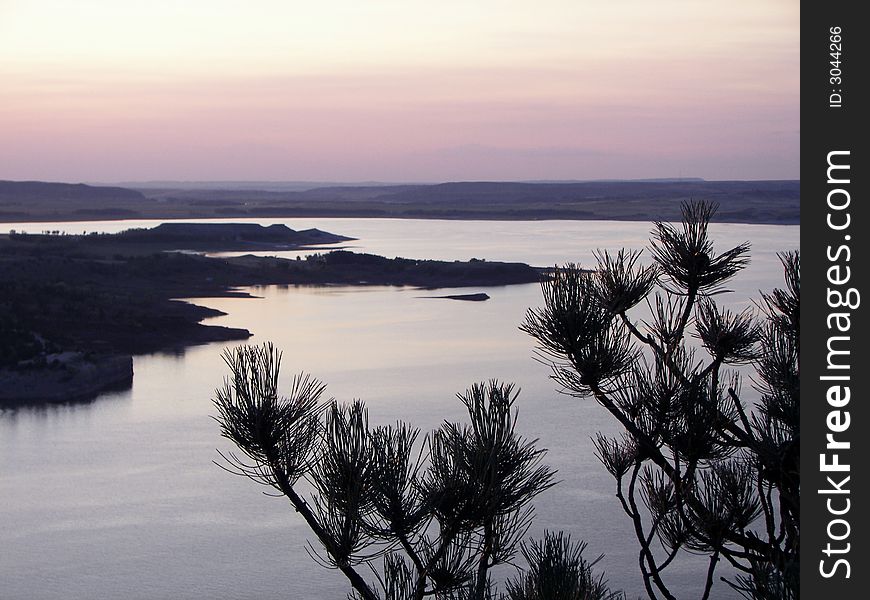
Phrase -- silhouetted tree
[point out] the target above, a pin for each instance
(696, 469)
(558, 571)
(428, 520)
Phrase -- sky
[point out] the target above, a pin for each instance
(384, 90)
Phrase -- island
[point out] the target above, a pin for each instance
(219, 237)
(476, 297)
(75, 308)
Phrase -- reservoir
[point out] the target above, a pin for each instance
(120, 497)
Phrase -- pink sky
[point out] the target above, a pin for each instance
(398, 91)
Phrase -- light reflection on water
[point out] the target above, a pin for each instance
(119, 497)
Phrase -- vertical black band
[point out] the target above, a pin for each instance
(835, 347)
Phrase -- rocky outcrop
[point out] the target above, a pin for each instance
(64, 377)
(225, 236)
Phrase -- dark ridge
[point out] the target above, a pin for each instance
(215, 237)
(775, 202)
(230, 232)
(45, 191)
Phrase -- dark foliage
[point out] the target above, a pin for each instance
(696, 469)
(430, 519)
(558, 571)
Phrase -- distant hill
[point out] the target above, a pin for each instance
(43, 201)
(12, 191)
(640, 200)
(485, 192)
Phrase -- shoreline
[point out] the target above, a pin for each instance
(12, 218)
(68, 377)
(98, 301)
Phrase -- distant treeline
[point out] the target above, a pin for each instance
(776, 202)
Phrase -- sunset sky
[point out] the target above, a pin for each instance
(353, 90)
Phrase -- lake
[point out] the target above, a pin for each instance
(119, 498)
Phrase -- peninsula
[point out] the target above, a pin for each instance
(74, 308)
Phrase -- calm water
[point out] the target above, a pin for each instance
(120, 498)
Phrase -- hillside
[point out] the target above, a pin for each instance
(776, 202)
(24, 200)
